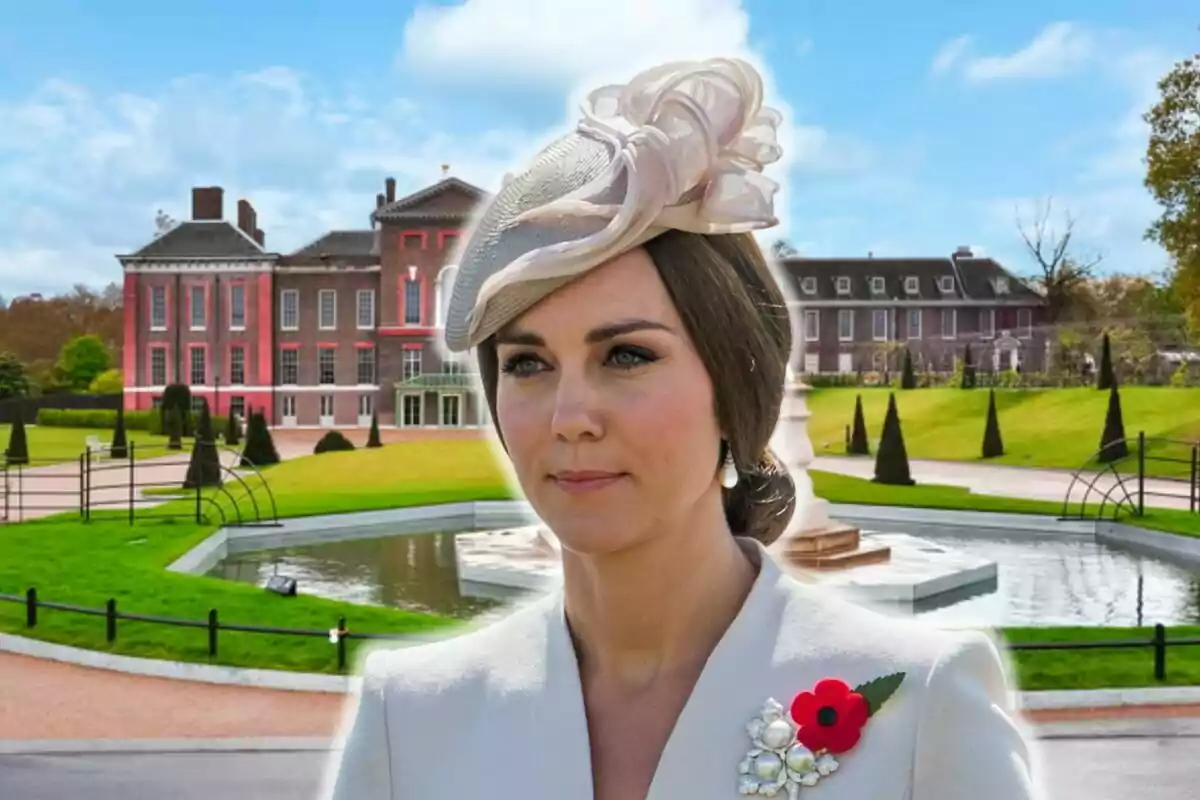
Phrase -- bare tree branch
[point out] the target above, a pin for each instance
(1061, 271)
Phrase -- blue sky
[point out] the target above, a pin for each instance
(911, 128)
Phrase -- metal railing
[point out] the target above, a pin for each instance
(1114, 491)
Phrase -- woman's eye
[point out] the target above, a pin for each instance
(520, 365)
(626, 357)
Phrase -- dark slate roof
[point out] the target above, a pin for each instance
(420, 204)
(338, 244)
(202, 239)
(973, 278)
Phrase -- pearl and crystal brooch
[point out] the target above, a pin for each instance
(800, 748)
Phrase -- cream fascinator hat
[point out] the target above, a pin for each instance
(681, 146)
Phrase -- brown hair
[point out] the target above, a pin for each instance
(737, 318)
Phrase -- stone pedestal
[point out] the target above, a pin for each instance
(792, 445)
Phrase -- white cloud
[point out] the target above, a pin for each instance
(1057, 49)
(950, 53)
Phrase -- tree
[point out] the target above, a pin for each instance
(1112, 441)
(179, 397)
(968, 376)
(1173, 176)
(120, 447)
(1105, 378)
(859, 445)
(82, 359)
(993, 445)
(18, 446)
(908, 380)
(373, 439)
(173, 427)
(111, 381)
(205, 466)
(1060, 274)
(13, 381)
(891, 462)
(232, 430)
(260, 447)
(781, 248)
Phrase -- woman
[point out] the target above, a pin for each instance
(632, 345)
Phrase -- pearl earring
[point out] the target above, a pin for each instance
(729, 473)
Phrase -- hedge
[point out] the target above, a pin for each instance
(150, 421)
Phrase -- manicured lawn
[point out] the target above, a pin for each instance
(1102, 667)
(54, 445)
(1056, 428)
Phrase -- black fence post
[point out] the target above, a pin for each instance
(1160, 652)
(110, 614)
(31, 607)
(87, 485)
(131, 454)
(1141, 473)
(81, 501)
(212, 631)
(1194, 485)
(20, 493)
(198, 482)
(341, 644)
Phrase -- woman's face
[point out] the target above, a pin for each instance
(607, 410)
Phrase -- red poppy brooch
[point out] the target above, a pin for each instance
(800, 747)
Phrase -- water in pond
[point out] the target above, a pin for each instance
(1042, 580)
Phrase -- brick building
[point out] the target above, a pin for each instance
(325, 336)
(862, 313)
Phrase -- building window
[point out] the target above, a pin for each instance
(237, 307)
(237, 365)
(196, 293)
(987, 323)
(237, 406)
(451, 405)
(412, 302)
(327, 303)
(877, 285)
(289, 366)
(326, 361)
(158, 308)
(812, 325)
(289, 406)
(1001, 284)
(949, 323)
(843, 285)
(946, 284)
(366, 405)
(198, 371)
(879, 324)
(914, 323)
(412, 364)
(366, 366)
(912, 285)
(846, 325)
(410, 406)
(327, 405)
(366, 309)
(1024, 323)
(158, 366)
(808, 285)
(451, 367)
(289, 310)
(198, 404)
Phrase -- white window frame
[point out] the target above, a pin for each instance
(442, 398)
(411, 361)
(846, 314)
(946, 284)
(294, 296)
(808, 285)
(321, 295)
(192, 366)
(287, 404)
(321, 351)
(157, 291)
(401, 419)
(953, 312)
(912, 284)
(359, 296)
(988, 330)
(154, 351)
(233, 381)
(282, 371)
(203, 292)
(878, 285)
(404, 309)
(1001, 284)
(366, 406)
(843, 285)
(240, 288)
(1025, 331)
(876, 315)
(919, 315)
(812, 325)
(324, 401)
(358, 366)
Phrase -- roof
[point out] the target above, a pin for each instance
(449, 198)
(338, 244)
(444, 381)
(202, 239)
(974, 278)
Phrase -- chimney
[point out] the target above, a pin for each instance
(245, 217)
(260, 238)
(390, 185)
(379, 200)
(964, 251)
(208, 202)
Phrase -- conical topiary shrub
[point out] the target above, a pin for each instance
(260, 447)
(233, 430)
(968, 375)
(891, 462)
(908, 380)
(858, 445)
(1112, 441)
(120, 446)
(373, 439)
(174, 429)
(17, 451)
(993, 445)
(205, 467)
(1106, 378)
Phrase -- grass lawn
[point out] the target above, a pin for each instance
(1055, 428)
(54, 445)
(88, 564)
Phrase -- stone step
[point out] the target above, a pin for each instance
(870, 554)
(830, 539)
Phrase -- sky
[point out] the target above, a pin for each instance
(910, 128)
